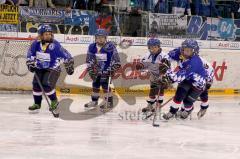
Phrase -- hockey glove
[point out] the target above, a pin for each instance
(92, 73)
(31, 65)
(69, 66)
(113, 70)
(164, 66)
(208, 85)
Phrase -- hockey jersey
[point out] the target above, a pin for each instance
(50, 57)
(103, 59)
(191, 69)
(151, 64)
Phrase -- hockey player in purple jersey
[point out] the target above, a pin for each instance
(151, 62)
(43, 59)
(204, 95)
(102, 63)
(191, 78)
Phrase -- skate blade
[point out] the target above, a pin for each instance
(33, 111)
(89, 108)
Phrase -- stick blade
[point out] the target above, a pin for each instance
(156, 125)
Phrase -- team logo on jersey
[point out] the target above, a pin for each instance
(51, 46)
(206, 66)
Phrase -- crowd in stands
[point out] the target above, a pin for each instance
(181, 7)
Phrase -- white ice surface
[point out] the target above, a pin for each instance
(120, 134)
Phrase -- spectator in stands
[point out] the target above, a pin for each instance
(123, 5)
(23, 3)
(159, 6)
(67, 4)
(9, 2)
(179, 7)
(192, 6)
(15, 2)
(138, 5)
(156, 6)
(80, 4)
(41, 3)
(97, 5)
(206, 8)
(88, 4)
(235, 9)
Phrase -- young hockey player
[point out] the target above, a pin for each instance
(152, 62)
(191, 77)
(102, 63)
(43, 59)
(204, 95)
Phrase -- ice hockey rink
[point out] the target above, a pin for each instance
(119, 134)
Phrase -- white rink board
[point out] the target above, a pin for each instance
(225, 61)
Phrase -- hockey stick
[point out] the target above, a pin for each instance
(56, 115)
(105, 108)
(157, 106)
(155, 113)
(108, 88)
(161, 106)
(109, 82)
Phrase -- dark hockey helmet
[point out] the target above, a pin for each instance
(190, 43)
(44, 28)
(101, 32)
(153, 42)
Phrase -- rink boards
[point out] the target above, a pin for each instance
(225, 60)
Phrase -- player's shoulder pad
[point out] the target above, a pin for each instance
(109, 46)
(164, 54)
(92, 47)
(196, 61)
(35, 42)
(56, 42)
(175, 51)
(148, 54)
